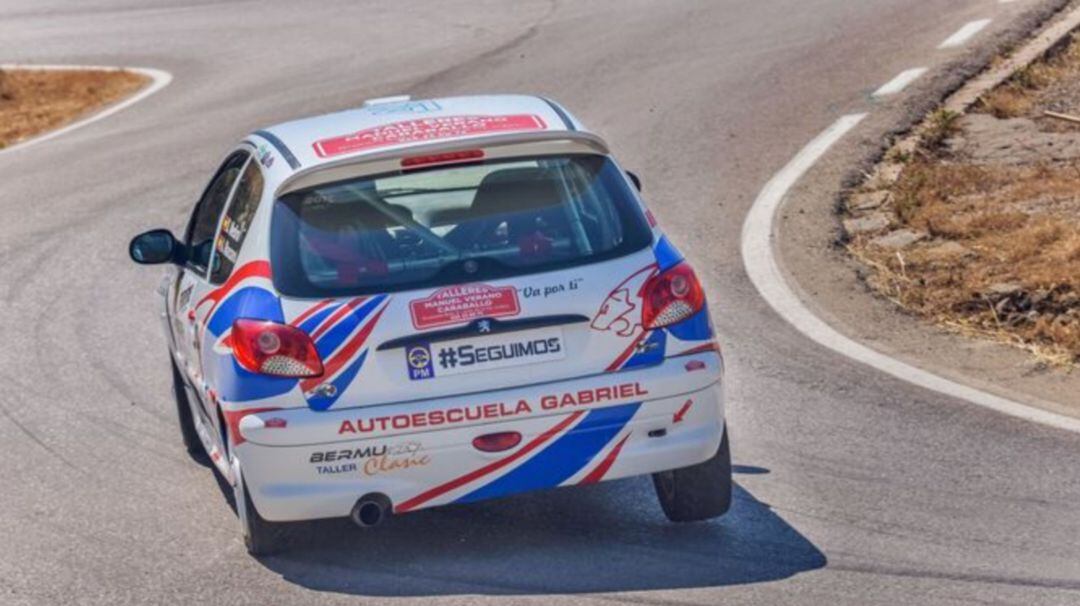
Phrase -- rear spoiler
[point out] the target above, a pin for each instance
(503, 145)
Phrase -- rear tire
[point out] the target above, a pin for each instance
(698, 492)
(183, 412)
(262, 538)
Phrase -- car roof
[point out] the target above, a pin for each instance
(390, 124)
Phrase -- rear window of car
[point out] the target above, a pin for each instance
(447, 225)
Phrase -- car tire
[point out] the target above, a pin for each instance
(183, 412)
(698, 492)
(261, 538)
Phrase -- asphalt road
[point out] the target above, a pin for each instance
(853, 488)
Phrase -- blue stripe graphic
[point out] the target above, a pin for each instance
(248, 302)
(695, 328)
(652, 351)
(236, 384)
(667, 256)
(320, 403)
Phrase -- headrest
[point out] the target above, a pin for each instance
(514, 190)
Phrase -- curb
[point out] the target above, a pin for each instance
(886, 173)
(763, 269)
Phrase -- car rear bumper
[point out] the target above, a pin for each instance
(300, 464)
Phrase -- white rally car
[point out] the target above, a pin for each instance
(422, 302)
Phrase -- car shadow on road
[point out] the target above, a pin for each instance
(606, 537)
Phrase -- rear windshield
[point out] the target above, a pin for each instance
(448, 225)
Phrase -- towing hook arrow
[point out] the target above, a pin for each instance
(679, 414)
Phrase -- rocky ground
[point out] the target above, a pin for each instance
(978, 226)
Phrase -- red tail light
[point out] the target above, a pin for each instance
(671, 297)
(275, 349)
(497, 442)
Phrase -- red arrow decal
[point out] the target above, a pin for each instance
(679, 414)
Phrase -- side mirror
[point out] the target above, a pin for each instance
(153, 247)
(635, 179)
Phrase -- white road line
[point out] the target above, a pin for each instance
(965, 33)
(159, 79)
(764, 271)
(900, 82)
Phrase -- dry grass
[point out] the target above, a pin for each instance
(1007, 102)
(1004, 255)
(34, 101)
(1021, 94)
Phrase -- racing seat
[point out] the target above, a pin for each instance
(352, 238)
(526, 200)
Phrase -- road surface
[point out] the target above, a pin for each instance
(853, 487)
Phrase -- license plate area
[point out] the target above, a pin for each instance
(484, 352)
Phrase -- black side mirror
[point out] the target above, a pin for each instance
(155, 246)
(635, 179)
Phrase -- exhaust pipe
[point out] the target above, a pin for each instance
(371, 509)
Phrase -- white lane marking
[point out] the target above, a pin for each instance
(764, 271)
(965, 33)
(159, 79)
(900, 82)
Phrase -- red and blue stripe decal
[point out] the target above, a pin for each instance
(340, 338)
(553, 465)
(601, 470)
(339, 328)
(565, 457)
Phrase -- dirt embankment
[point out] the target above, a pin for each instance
(981, 229)
(35, 101)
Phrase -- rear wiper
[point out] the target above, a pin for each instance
(414, 191)
(406, 191)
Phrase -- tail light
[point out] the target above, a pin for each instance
(279, 350)
(671, 297)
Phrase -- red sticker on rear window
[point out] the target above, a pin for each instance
(424, 129)
(463, 303)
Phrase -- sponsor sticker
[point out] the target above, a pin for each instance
(265, 157)
(489, 411)
(370, 459)
(405, 107)
(233, 230)
(419, 362)
(457, 304)
(185, 297)
(398, 458)
(228, 251)
(462, 356)
(547, 290)
(424, 129)
(347, 454)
